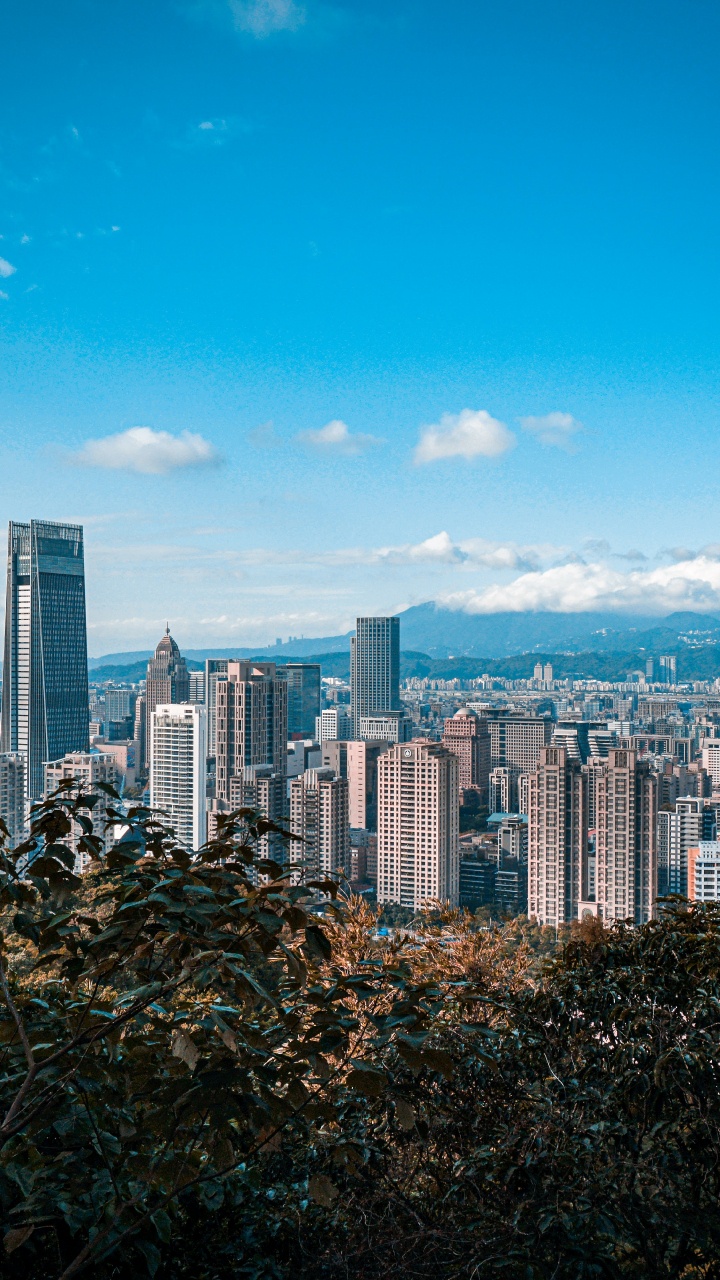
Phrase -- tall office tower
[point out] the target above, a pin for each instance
(467, 736)
(251, 722)
(362, 775)
(215, 669)
(319, 816)
(374, 668)
(167, 681)
(119, 704)
(626, 838)
(303, 697)
(196, 687)
(45, 706)
(12, 794)
(557, 837)
(678, 830)
(418, 824)
(333, 725)
(499, 787)
(177, 769)
(87, 768)
(668, 669)
(515, 744)
(140, 732)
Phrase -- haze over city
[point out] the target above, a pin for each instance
(311, 310)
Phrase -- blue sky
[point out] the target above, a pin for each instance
(312, 309)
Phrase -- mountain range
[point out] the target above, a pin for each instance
(446, 633)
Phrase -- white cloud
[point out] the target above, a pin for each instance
(579, 588)
(6, 268)
(441, 549)
(336, 437)
(263, 17)
(555, 429)
(148, 452)
(469, 434)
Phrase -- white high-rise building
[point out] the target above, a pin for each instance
(704, 872)
(177, 769)
(87, 768)
(12, 794)
(333, 725)
(391, 726)
(678, 830)
(319, 816)
(418, 824)
(196, 681)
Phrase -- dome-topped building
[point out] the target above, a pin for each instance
(168, 680)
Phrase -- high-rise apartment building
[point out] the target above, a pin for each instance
(119, 704)
(515, 744)
(704, 872)
(259, 788)
(499, 788)
(12, 794)
(178, 749)
(45, 708)
(668, 669)
(557, 837)
(251, 722)
(319, 817)
(626, 838)
(418, 824)
(140, 733)
(374, 668)
(215, 669)
(362, 776)
(87, 768)
(467, 736)
(678, 830)
(167, 681)
(303, 697)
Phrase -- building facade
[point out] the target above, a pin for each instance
(45, 705)
(418, 824)
(704, 872)
(678, 830)
(467, 736)
(12, 794)
(374, 668)
(333, 725)
(168, 681)
(626, 818)
(87, 768)
(557, 837)
(362, 776)
(178, 749)
(319, 817)
(251, 722)
(303, 697)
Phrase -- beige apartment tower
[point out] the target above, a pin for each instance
(418, 824)
(557, 837)
(467, 736)
(626, 824)
(250, 722)
(319, 817)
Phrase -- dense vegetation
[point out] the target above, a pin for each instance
(204, 1078)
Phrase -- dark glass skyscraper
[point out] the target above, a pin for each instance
(45, 710)
(374, 668)
(303, 696)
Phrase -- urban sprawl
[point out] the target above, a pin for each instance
(557, 799)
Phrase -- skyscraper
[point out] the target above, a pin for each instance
(557, 837)
(467, 736)
(319, 816)
(167, 681)
(374, 668)
(12, 795)
(303, 696)
(87, 768)
(679, 830)
(251, 722)
(418, 824)
(215, 669)
(626, 822)
(362, 775)
(515, 745)
(45, 710)
(177, 769)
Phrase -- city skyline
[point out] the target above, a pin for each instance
(288, 365)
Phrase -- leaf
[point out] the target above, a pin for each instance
(17, 1236)
(183, 1048)
(405, 1114)
(368, 1081)
(317, 942)
(151, 1254)
(322, 1190)
(438, 1060)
